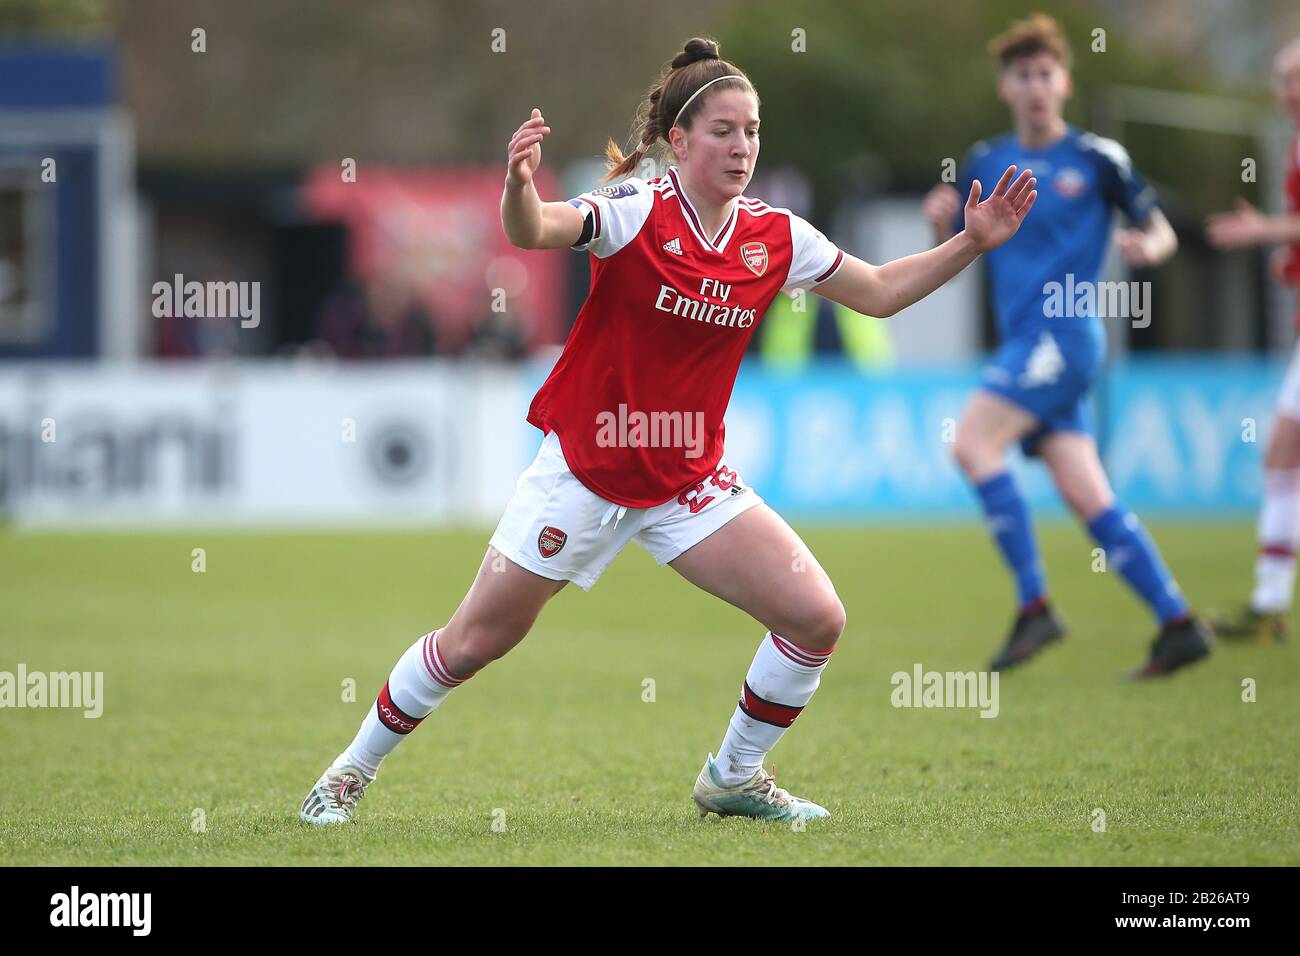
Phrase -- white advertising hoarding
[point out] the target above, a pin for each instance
(400, 443)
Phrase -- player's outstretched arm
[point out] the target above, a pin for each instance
(530, 223)
(1247, 226)
(884, 290)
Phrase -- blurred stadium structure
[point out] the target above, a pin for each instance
(344, 166)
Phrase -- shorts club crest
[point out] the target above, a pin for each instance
(550, 541)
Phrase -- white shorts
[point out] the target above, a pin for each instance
(1288, 399)
(556, 527)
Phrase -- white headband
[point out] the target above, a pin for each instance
(716, 79)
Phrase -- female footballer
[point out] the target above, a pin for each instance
(1266, 617)
(683, 266)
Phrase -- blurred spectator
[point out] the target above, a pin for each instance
(189, 336)
(382, 319)
(497, 337)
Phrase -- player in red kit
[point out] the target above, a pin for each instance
(682, 267)
(1266, 615)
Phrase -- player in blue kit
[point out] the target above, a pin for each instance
(1034, 389)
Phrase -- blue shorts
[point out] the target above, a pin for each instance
(1049, 375)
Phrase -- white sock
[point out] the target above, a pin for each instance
(1279, 523)
(780, 682)
(417, 685)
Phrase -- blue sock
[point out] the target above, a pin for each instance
(1008, 521)
(1130, 550)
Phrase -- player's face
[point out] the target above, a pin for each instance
(721, 148)
(1036, 88)
(1286, 82)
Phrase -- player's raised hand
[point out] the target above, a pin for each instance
(995, 220)
(940, 206)
(525, 150)
(1244, 226)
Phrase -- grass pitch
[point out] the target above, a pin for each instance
(223, 701)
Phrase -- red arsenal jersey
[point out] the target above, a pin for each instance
(638, 395)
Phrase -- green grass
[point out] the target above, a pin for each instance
(223, 692)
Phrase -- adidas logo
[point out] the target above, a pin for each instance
(675, 247)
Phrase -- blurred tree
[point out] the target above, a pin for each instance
(54, 18)
(887, 91)
(389, 81)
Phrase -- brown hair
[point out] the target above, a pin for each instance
(1037, 33)
(697, 64)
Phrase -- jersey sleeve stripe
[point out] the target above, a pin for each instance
(839, 260)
